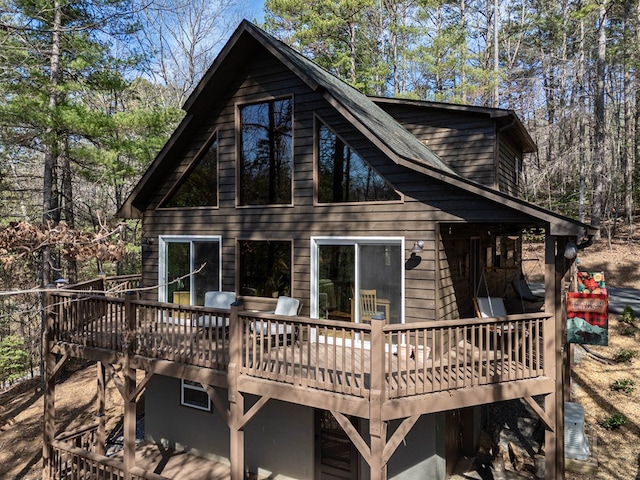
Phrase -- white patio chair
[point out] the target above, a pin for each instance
(278, 332)
(218, 301)
(488, 307)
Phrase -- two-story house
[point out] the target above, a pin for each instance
(283, 182)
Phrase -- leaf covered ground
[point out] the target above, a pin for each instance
(598, 380)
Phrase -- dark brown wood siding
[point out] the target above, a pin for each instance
(424, 202)
(465, 141)
(509, 165)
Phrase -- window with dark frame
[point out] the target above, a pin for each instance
(265, 268)
(199, 187)
(266, 153)
(194, 396)
(345, 177)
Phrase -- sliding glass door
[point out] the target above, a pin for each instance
(188, 267)
(354, 279)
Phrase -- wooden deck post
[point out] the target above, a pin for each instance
(377, 427)
(49, 393)
(553, 356)
(129, 428)
(236, 400)
(101, 436)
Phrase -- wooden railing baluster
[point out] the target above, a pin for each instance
(321, 354)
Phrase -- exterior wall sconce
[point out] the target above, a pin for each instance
(418, 246)
(415, 259)
(570, 251)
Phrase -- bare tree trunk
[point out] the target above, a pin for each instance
(352, 52)
(52, 146)
(438, 79)
(637, 93)
(463, 52)
(496, 56)
(582, 151)
(394, 29)
(69, 212)
(628, 148)
(599, 147)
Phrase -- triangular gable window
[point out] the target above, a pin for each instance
(344, 176)
(199, 186)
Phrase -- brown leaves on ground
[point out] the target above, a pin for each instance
(21, 414)
(618, 450)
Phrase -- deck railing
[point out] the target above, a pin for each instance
(321, 354)
(183, 334)
(113, 286)
(69, 462)
(336, 356)
(418, 358)
(454, 354)
(85, 438)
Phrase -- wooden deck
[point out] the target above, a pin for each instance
(332, 356)
(153, 462)
(371, 370)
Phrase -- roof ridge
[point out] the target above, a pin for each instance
(374, 119)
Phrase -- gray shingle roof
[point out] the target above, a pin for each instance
(376, 121)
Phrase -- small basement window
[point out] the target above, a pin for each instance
(194, 396)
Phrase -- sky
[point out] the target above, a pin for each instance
(255, 8)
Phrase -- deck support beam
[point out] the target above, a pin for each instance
(554, 351)
(101, 436)
(49, 415)
(129, 421)
(236, 398)
(236, 437)
(542, 415)
(129, 392)
(398, 436)
(377, 427)
(49, 390)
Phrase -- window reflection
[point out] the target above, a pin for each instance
(266, 159)
(199, 188)
(182, 259)
(351, 271)
(265, 268)
(344, 176)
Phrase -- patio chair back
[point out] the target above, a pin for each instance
(488, 307)
(287, 306)
(219, 300)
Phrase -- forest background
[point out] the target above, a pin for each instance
(90, 91)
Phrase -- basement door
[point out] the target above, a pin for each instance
(337, 457)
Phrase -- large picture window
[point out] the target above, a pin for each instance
(266, 153)
(344, 176)
(265, 268)
(189, 267)
(350, 274)
(199, 186)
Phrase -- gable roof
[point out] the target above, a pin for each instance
(369, 118)
(505, 118)
(372, 121)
